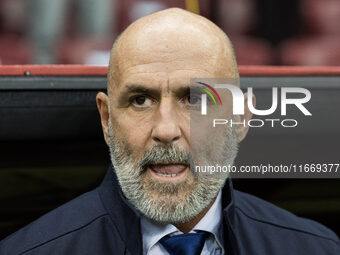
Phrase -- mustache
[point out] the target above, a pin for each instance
(165, 155)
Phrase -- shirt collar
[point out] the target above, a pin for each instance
(212, 221)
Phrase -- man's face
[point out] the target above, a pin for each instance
(149, 121)
(149, 140)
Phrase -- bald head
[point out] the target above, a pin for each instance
(184, 40)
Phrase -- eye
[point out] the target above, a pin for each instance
(194, 99)
(141, 101)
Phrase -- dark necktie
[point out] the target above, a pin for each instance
(185, 244)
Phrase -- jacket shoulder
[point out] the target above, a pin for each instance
(66, 219)
(263, 212)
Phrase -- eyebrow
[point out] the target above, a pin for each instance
(151, 91)
(140, 89)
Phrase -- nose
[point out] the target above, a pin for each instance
(167, 127)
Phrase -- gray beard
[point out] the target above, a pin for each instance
(167, 202)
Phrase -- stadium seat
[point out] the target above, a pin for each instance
(252, 51)
(321, 17)
(311, 51)
(14, 50)
(78, 50)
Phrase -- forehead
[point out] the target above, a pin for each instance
(154, 53)
(162, 81)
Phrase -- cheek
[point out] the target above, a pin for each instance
(134, 132)
(185, 121)
(226, 109)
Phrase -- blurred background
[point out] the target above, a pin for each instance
(264, 32)
(51, 144)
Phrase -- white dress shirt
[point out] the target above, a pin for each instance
(211, 222)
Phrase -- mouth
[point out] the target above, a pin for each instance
(168, 172)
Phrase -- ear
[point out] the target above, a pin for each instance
(103, 108)
(243, 130)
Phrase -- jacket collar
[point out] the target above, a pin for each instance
(127, 218)
(228, 205)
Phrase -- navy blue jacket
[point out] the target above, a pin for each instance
(102, 222)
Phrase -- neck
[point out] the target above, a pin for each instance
(186, 227)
